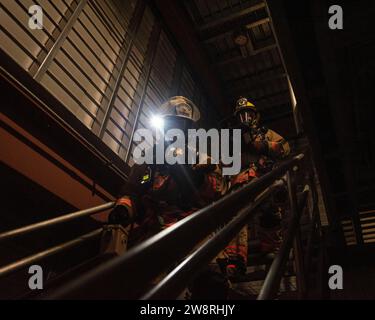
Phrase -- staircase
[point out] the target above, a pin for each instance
(291, 274)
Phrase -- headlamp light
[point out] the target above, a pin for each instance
(157, 122)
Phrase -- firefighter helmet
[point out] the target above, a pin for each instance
(180, 106)
(244, 104)
(246, 111)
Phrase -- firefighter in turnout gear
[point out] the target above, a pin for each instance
(158, 195)
(162, 194)
(261, 149)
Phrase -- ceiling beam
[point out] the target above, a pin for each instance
(229, 33)
(238, 58)
(232, 17)
(243, 21)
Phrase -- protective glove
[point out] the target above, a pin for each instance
(122, 213)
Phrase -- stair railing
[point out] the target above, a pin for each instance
(132, 275)
(22, 231)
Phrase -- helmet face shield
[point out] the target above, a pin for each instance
(181, 123)
(246, 116)
(180, 127)
(246, 112)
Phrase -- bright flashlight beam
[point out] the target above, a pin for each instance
(157, 122)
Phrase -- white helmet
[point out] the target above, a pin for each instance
(180, 106)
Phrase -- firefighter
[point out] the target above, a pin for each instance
(261, 149)
(168, 193)
(158, 195)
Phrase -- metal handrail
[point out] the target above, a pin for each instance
(14, 266)
(55, 221)
(174, 283)
(130, 275)
(315, 219)
(272, 282)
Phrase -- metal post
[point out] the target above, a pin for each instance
(125, 53)
(314, 222)
(299, 264)
(155, 36)
(272, 282)
(297, 246)
(59, 41)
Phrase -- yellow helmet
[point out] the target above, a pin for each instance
(243, 111)
(244, 104)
